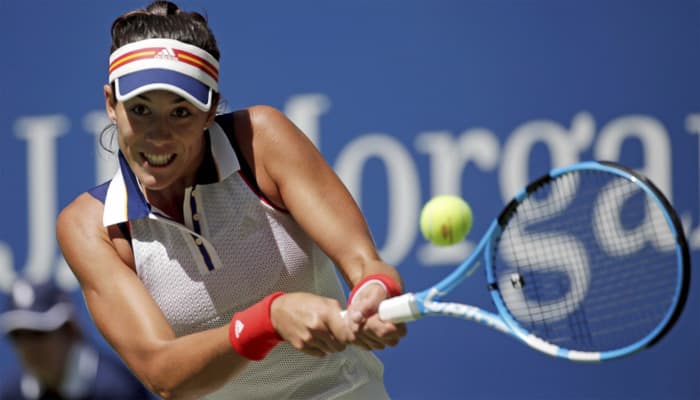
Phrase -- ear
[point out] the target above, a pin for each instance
(213, 110)
(110, 103)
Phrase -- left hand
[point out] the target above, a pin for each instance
(371, 333)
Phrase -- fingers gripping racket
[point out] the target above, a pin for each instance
(587, 263)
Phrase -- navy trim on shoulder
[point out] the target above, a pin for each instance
(207, 172)
(138, 206)
(125, 229)
(226, 123)
(100, 192)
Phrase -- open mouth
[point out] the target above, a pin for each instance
(158, 160)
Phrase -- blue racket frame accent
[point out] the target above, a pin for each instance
(427, 302)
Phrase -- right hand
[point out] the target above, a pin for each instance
(374, 333)
(312, 324)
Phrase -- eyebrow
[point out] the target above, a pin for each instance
(177, 99)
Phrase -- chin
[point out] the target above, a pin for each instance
(149, 182)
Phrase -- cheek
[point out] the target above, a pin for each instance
(193, 144)
(124, 139)
(126, 131)
(196, 139)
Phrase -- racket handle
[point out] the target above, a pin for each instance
(399, 309)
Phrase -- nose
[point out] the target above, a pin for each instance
(160, 129)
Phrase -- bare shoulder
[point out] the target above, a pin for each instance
(262, 115)
(261, 131)
(270, 124)
(82, 215)
(257, 117)
(257, 125)
(79, 227)
(83, 238)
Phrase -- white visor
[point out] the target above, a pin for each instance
(164, 64)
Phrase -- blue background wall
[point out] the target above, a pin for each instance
(406, 99)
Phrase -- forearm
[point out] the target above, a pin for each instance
(190, 366)
(182, 367)
(362, 267)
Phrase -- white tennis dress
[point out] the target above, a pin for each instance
(233, 249)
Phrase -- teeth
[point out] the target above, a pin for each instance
(158, 159)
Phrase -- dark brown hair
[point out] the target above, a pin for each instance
(164, 20)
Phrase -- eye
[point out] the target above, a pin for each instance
(140, 109)
(181, 112)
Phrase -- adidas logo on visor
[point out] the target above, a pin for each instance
(167, 54)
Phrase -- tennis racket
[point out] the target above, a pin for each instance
(587, 263)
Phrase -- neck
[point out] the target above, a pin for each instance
(168, 201)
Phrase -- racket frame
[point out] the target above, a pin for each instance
(412, 306)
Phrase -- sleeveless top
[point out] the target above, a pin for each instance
(233, 249)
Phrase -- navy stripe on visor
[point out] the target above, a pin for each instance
(136, 80)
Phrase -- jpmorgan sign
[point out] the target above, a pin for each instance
(448, 154)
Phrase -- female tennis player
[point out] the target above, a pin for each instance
(207, 260)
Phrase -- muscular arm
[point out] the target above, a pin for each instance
(130, 320)
(294, 175)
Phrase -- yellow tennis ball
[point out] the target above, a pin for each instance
(445, 220)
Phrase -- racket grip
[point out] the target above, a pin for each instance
(399, 309)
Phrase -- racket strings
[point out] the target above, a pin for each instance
(587, 261)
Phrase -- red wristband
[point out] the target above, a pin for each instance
(390, 285)
(251, 332)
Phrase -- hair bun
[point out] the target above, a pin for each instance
(164, 20)
(163, 8)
